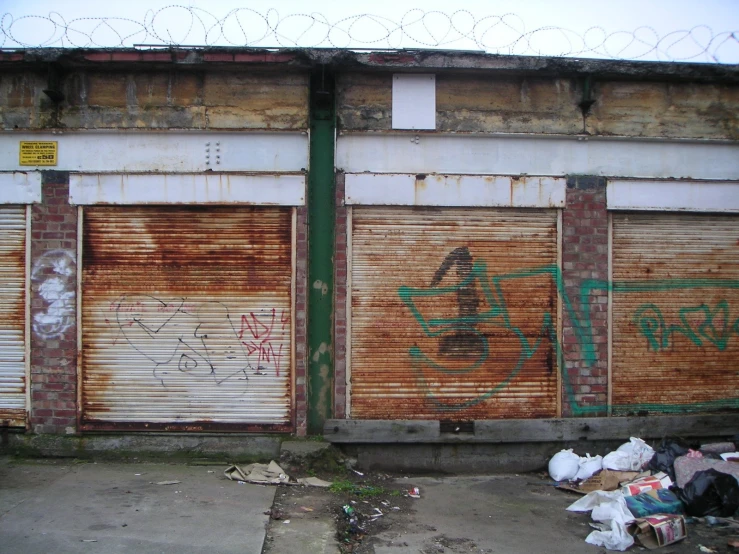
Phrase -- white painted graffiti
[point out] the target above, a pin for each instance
(53, 273)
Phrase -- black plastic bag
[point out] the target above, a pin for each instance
(664, 457)
(710, 493)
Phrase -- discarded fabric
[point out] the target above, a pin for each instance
(718, 447)
(269, 474)
(686, 467)
(660, 501)
(263, 474)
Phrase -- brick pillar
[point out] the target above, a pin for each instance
(340, 292)
(301, 330)
(53, 308)
(584, 260)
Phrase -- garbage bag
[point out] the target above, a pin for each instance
(630, 456)
(710, 493)
(664, 457)
(564, 465)
(588, 466)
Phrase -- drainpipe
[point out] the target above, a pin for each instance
(321, 218)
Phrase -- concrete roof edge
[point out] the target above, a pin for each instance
(402, 60)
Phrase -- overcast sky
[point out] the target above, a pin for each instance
(710, 20)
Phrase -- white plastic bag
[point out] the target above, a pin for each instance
(564, 465)
(609, 507)
(611, 535)
(606, 505)
(630, 456)
(588, 466)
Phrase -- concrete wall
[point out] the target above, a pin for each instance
(491, 103)
(157, 100)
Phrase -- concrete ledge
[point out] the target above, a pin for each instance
(230, 447)
(467, 458)
(359, 431)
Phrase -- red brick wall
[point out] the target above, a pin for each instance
(53, 345)
(584, 257)
(301, 328)
(340, 295)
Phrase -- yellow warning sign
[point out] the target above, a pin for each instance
(38, 152)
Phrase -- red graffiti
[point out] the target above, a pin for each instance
(259, 337)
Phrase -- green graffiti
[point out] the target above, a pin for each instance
(659, 336)
(714, 328)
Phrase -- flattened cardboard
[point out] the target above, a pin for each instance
(605, 480)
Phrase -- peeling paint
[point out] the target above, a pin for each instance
(320, 285)
(54, 275)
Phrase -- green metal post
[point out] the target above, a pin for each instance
(321, 218)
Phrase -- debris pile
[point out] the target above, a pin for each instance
(637, 494)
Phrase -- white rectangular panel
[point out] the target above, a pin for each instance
(267, 190)
(414, 102)
(536, 155)
(382, 189)
(166, 152)
(670, 196)
(20, 187)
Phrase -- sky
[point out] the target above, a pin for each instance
(669, 30)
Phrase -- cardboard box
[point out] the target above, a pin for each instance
(659, 530)
(645, 484)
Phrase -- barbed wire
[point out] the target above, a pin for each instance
(188, 26)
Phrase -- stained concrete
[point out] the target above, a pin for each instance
(64, 507)
(504, 513)
(179, 446)
(306, 525)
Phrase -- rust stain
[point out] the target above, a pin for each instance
(180, 244)
(12, 418)
(399, 371)
(419, 187)
(13, 260)
(675, 346)
(198, 262)
(204, 426)
(392, 58)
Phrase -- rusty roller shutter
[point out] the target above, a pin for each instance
(453, 313)
(675, 312)
(12, 315)
(187, 318)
